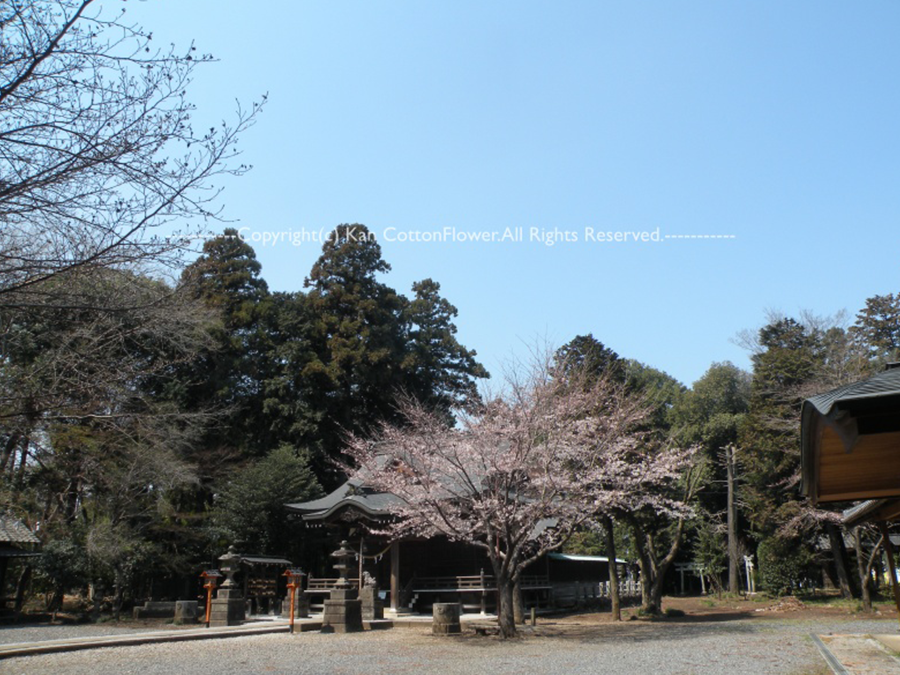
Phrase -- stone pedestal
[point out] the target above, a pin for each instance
(227, 609)
(446, 618)
(301, 605)
(186, 611)
(372, 606)
(343, 612)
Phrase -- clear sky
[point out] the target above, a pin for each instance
(774, 126)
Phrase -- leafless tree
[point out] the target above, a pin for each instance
(97, 154)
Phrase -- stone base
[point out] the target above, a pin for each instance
(446, 618)
(227, 609)
(372, 606)
(301, 605)
(342, 616)
(186, 611)
(155, 610)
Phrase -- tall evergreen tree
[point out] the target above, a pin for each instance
(782, 369)
(229, 377)
(357, 336)
(439, 371)
(588, 353)
(794, 359)
(710, 416)
(878, 326)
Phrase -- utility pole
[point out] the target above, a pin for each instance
(733, 562)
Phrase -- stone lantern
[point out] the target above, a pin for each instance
(343, 610)
(228, 607)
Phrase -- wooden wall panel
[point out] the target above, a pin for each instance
(870, 470)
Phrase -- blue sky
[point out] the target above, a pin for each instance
(776, 125)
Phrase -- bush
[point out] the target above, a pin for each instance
(782, 565)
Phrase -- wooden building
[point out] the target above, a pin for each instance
(17, 543)
(416, 573)
(850, 441)
(850, 451)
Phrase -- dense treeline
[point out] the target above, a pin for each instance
(744, 484)
(212, 412)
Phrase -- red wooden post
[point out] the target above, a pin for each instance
(294, 582)
(211, 577)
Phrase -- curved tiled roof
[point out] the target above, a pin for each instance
(352, 494)
(13, 531)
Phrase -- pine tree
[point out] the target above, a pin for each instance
(229, 377)
(356, 335)
(439, 371)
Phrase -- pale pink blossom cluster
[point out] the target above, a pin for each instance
(517, 478)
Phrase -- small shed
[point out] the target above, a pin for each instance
(16, 542)
(850, 441)
(850, 451)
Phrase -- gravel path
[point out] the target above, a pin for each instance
(732, 647)
(35, 633)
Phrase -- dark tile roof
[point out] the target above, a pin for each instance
(13, 531)
(885, 383)
(350, 494)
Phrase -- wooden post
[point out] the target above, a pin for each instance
(395, 576)
(362, 551)
(889, 549)
(484, 596)
(293, 598)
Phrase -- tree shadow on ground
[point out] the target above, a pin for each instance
(639, 631)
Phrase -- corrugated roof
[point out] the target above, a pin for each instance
(884, 383)
(581, 558)
(859, 511)
(13, 531)
(13, 552)
(265, 560)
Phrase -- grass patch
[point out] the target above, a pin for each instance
(818, 669)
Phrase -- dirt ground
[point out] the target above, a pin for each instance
(710, 608)
(684, 610)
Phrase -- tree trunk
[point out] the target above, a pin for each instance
(613, 570)
(864, 576)
(505, 610)
(518, 603)
(20, 475)
(24, 578)
(734, 576)
(646, 566)
(119, 595)
(839, 553)
(11, 443)
(656, 593)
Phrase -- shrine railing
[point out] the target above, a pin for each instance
(325, 584)
(474, 582)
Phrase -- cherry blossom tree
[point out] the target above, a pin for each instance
(555, 453)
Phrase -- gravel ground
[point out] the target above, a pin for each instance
(35, 633)
(760, 646)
